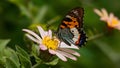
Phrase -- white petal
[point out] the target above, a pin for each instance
(98, 12)
(70, 51)
(43, 47)
(74, 46)
(63, 58)
(104, 12)
(52, 51)
(42, 32)
(32, 33)
(63, 45)
(104, 19)
(50, 33)
(67, 55)
(111, 17)
(33, 39)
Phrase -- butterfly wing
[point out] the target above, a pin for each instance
(71, 28)
(65, 35)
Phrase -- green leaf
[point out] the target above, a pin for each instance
(35, 49)
(22, 52)
(54, 62)
(35, 52)
(8, 57)
(3, 44)
(8, 52)
(10, 63)
(24, 57)
(11, 57)
(24, 61)
(39, 65)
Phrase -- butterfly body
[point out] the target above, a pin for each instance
(71, 29)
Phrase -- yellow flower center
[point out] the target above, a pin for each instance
(50, 43)
(113, 22)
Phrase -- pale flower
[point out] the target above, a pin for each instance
(52, 44)
(111, 20)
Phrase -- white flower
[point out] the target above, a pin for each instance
(111, 20)
(52, 44)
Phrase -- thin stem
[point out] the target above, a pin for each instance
(37, 64)
(95, 36)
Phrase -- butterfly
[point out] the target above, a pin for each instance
(71, 29)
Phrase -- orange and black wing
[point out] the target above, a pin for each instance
(71, 29)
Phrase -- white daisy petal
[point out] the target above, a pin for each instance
(43, 47)
(50, 33)
(32, 33)
(74, 46)
(61, 56)
(104, 12)
(42, 32)
(98, 12)
(111, 16)
(67, 55)
(103, 19)
(64, 45)
(52, 51)
(70, 51)
(32, 38)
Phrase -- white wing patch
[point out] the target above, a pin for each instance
(75, 33)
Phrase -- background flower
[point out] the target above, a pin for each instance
(111, 20)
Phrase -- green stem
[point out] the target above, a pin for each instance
(95, 36)
(41, 62)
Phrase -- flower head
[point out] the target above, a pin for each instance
(111, 20)
(51, 44)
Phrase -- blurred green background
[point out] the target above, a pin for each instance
(100, 52)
